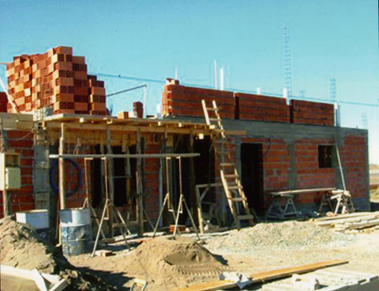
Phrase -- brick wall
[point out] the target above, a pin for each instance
(306, 112)
(180, 100)
(353, 154)
(308, 172)
(151, 178)
(3, 102)
(262, 108)
(21, 199)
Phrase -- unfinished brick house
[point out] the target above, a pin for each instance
(276, 146)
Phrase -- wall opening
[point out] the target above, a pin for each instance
(252, 175)
(326, 156)
(203, 170)
(124, 178)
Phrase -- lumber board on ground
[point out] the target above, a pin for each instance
(346, 220)
(263, 276)
(285, 272)
(342, 216)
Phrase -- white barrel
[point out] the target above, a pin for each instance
(76, 233)
(38, 218)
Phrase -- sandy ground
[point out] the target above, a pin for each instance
(263, 247)
(168, 263)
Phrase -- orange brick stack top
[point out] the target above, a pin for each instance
(55, 79)
(180, 100)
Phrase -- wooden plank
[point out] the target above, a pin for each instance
(286, 272)
(343, 216)
(17, 121)
(345, 220)
(136, 156)
(59, 286)
(27, 274)
(262, 276)
(39, 280)
(103, 253)
(302, 191)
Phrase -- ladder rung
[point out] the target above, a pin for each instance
(231, 176)
(214, 119)
(234, 187)
(227, 164)
(211, 108)
(245, 217)
(239, 199)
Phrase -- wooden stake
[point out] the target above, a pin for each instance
(62, 174)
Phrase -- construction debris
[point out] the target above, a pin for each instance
(354, 222)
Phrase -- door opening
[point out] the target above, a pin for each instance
(252, 175)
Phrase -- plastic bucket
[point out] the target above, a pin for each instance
(76, 233)
(39, 219)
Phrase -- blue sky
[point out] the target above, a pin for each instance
(129, 43)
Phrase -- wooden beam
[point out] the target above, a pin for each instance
(135, 156)
(139, 186)
(262, 276)
(17, 121)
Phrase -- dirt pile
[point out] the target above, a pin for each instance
(281, 236)
(170, 262)
(22, 247)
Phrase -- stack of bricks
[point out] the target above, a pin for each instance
(186, 101)
(306, 112)
(54, 79)
(138, 109)
(261, 108)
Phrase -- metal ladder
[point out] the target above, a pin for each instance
(229, 175)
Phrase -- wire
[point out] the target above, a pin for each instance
(236, 90)
(55, 187)
(25, 136)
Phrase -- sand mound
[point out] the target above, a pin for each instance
(172, 262)
(22, 247)
(290, 234)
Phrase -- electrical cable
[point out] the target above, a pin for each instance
(55, 187)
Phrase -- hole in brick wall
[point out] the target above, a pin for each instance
(326, 156)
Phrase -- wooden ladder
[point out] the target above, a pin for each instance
(230, 178)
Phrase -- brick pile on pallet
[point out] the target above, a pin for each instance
(306, 112)
(56, 79)
(261, 108)
(180, 100)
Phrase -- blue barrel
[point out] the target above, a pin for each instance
(76, 233)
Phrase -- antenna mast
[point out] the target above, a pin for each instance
(287, 62)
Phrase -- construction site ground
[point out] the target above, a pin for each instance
(167, 263)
